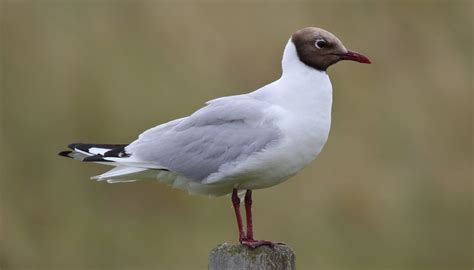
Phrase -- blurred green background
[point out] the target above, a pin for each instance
(391, 190)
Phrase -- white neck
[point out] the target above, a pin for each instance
(301, 89)
(300, 86)
(292, 65)
(301, 81)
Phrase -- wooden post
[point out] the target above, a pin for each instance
(236, 257)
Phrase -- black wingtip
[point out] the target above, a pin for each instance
(65, 154)
(86, 146)
(117, 152)
(95, 159)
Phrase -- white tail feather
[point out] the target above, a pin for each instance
(124, 174)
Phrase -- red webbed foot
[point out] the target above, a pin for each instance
(252, 243)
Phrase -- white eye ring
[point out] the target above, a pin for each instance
(322, 43)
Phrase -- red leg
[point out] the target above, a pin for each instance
(236, 204)
(248, 214)
(249, 241)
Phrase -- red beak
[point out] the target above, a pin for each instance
(353, 56)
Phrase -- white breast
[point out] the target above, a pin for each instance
(304, 121)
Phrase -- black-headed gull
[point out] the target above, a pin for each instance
(238, 143)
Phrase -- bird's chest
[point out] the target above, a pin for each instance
(303, 137)
(305, 125)
(304, 140)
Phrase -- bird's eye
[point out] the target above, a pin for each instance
(321, 43)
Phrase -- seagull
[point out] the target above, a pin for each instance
(236, 144)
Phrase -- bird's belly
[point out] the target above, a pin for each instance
(284, 166)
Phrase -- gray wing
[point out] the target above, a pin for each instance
(226, 130)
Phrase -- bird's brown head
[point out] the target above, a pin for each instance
(320, 49)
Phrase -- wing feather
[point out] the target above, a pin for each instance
(226, 130)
